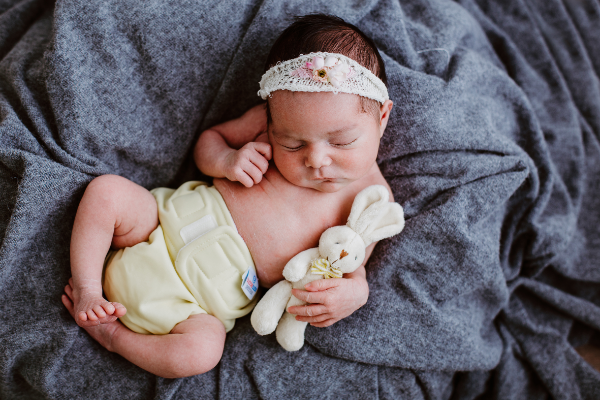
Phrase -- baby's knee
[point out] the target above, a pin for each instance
(106, 186)
(204, 347)
(211, 343)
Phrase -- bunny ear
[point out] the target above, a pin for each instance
(375, 195)
(373, 217)
(388, 224)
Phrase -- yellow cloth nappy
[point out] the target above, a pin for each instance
(192, 263)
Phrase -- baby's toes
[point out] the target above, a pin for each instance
(99, 311)
(109, 319)
(91, 315)
(69, 292)
(82, 316)
(68, 304)
(120, 310)
(108, 308)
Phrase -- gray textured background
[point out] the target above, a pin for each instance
(492, 149)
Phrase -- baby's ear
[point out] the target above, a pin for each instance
(384, 115)
(263, 137)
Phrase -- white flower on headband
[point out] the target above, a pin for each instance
(331, 69)
(339, 73)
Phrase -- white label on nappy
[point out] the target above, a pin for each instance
(250, 283)
(198, 228)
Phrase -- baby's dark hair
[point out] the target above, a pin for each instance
(328, 33)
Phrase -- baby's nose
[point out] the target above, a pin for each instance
(317, 159)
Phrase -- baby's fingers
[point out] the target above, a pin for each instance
(314, 320)
(324, 284)
(308, 310)
(325, 323)
(264, 149)
(254, 172)
(310, 297)
(260, 163)
(242, 177)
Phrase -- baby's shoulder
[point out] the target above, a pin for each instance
(373, 177)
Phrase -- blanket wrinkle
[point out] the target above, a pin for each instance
(492, 148)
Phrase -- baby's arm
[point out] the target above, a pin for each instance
(331, 300)
(230, 150)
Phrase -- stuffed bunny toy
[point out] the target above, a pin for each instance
(341, 250)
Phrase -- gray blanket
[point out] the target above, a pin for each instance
(492, 148)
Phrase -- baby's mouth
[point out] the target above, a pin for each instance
(323, 178)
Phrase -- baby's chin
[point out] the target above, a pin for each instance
(330, 187)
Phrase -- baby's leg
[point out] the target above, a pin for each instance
(194, 346)
(114, 211)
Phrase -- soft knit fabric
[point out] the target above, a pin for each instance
(493, 150)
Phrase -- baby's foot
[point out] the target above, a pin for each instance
(102, 333)
(90, 309)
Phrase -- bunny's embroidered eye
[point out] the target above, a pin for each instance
(355, 258)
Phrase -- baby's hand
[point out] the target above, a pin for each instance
(248, 164)
(332, 300)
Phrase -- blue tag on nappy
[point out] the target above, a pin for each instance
(250, 283)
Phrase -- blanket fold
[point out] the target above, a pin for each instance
(492, 148)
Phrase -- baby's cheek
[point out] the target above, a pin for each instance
(281, 161)
(287, 166)
(359, 163)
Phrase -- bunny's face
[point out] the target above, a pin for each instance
(343, 247)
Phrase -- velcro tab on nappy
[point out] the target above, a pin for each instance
(211, 267)
(198, 228)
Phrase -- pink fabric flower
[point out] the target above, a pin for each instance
(330, 61)
(328, 70)
(317, 62)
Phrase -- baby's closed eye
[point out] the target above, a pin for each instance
(344, 144)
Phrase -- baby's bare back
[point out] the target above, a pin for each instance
(278, 220)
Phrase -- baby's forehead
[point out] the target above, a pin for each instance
(326, 99)
(321, 105)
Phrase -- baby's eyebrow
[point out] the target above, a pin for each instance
(341, 130)
(275, 133)
(335, 132)
(280, 135)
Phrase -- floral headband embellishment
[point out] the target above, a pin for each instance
(323, 72)
(331, 69)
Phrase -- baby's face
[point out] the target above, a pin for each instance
(322, 140)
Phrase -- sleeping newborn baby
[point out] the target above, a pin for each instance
(186, 262)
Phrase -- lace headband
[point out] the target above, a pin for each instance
(323, 72)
